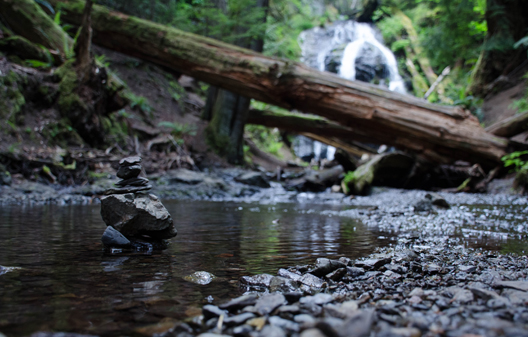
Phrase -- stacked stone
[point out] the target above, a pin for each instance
(129, 170)
(135, 219)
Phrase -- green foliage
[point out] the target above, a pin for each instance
(177, 129)
(268, 140)
(176, 91)
(38, 64)
(139, 102)
(449, 31)
(516, 160)
(521, 105)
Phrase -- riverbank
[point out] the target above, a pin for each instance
(425, 288)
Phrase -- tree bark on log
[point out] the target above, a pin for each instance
(510, 127)
(436, 132)
(311, 126)
(28, 20)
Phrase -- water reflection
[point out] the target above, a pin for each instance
(67, 283)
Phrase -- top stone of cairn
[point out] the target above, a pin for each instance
(129, 161)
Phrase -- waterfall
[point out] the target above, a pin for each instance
(354, 51)
(365, 34)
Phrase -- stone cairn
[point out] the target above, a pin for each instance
(136, 220)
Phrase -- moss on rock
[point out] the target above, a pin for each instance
(24, 49)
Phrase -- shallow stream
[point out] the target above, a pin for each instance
(67, 283)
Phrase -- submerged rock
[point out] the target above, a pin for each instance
(137, 214)
(112, 238)
(200, 277)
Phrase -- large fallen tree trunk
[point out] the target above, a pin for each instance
(437, 132)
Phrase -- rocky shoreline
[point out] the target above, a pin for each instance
(421, 289)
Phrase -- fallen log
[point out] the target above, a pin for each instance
(510, 126)
(311, 126)
(436, 132)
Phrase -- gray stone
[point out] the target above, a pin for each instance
(200, 277)
(129, 161)
(185, 176)
(516, 297)
(318, 299)
(373, 264)
(312, 281)
(239, 319)
(125, 190)
(254, 179)
(312, 333)
(261, 280)
(359, 324)
(325, 266)
(437, 200)
(272, 331)
(128, 172)
(304, 319)
(344, 310)
(137, 214)
(519, 285)
(282, 284)
(136, 182)
(242, 330)
(467, 269)
(423, 206)
(460, 295)
(112, 238)
(483, 293)
(210, 311)
(337, 274)
(292, 309)
(284, 323)
(239, 302)
(355, 271)
(288, 274)
(267, 303)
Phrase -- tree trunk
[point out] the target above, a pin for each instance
(507, 23)
(28, 20)
(228, 111)
(436, 132)
(83, 47)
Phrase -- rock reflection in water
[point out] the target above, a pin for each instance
(67, 282)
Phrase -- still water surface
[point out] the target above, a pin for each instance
(67, 283)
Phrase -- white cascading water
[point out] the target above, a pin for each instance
(363, 34)
(345, 43)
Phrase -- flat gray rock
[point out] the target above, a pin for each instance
(519, 285)
(312, 281)
(267, 303)
(129, 161)
(254, 179)
(128, 172)
(125, 190)
(185, 176)
(261, 280)
(239, 302)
